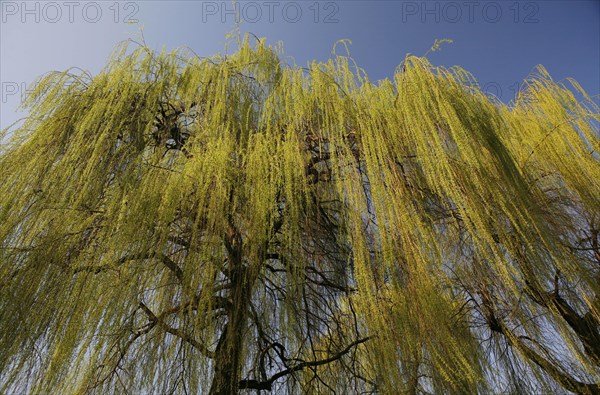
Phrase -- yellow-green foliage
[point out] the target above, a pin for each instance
(447, 203)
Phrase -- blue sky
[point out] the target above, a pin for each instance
(500, 42)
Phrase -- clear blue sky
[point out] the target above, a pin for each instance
(498, 41)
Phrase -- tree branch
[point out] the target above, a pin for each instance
(168, 262)
(177, 332)
(267, 385)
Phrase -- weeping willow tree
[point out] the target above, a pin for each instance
(235, 224)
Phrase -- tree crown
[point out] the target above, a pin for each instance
(185, 224)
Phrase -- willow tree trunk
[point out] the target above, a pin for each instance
(228, 354)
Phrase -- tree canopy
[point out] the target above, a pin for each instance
(233, 224)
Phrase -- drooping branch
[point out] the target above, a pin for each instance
(177, 332)
(168, 262)
(497, 324)
(268, 384)
(553, 371)
(585, 327)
